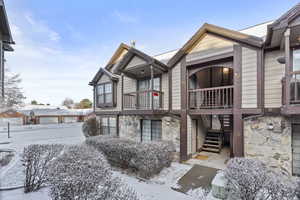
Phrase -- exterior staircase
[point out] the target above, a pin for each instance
(213, 141)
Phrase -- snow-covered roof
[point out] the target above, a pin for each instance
(55, 111)
(259, 30)
(165, 57)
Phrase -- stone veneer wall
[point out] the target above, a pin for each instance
(269, 139)
(130, 128)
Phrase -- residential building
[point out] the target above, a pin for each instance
(5, 41)
(222, 89)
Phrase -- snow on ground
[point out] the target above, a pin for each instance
(156, 188)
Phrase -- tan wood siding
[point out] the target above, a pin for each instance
(208, 53)
(212, 43)
(176, 88)
(165, 90)
(129, 85)
(274, 72)
(249, 78)
(104, 79)
(135, 61)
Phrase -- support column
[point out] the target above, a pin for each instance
(1, 70)
(152, 86)
(288, 67)
(238, 137)
(183, 113)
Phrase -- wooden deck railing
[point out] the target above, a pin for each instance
(294, 88)
(143, 100)
(208, 98)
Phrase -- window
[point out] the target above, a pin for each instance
(105, 94)
(108, 126)
(151, 130)
(296, 60)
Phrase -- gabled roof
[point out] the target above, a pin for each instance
(134, 52)
(283, 22)
(4, 25)
(99, 75)
(219, 31)
(116, 55)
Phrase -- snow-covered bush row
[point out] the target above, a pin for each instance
(90, 127)
(146, 159)
(5, 158)
(36, 159)
(250, 179)
(81, 173)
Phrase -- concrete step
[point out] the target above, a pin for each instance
(212, 145)
(211, 138)
(210, 150)
(212, 141)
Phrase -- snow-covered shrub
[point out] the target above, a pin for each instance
(250, 179)
(36, 159)
(146, 159)
(81, 172)
(5, 158)
(90, 127)
(280, 187)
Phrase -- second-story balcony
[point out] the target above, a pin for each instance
(211, 98)
(143, 100)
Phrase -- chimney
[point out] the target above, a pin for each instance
(132, 43)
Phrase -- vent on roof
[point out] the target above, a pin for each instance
(132, 43)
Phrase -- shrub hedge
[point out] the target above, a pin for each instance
(145, 159)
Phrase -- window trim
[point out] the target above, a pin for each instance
(151, 136)
(109, 125)
(113, 95)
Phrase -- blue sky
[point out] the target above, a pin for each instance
(60, 44)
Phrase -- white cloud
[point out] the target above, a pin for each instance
(49, 73)
(41, 27)
(125, 18)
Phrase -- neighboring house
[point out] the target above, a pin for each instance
(238, 89)
(12, 117)
(53, 115)
(5, 42)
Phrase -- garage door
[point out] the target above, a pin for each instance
(18, 121)
(49, 120)
(296, 148)
(70, 119)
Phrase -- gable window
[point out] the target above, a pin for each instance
(108, 126)
(105, 94)
(151, 130)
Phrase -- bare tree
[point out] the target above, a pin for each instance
(13, 94)
(68, 102)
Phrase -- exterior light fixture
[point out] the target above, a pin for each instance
(225, 70)
(281, 60)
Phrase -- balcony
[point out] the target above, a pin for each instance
(143, 100)
(211, 98)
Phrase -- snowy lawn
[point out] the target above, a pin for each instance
(159, 187)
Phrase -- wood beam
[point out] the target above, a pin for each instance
(288, 69)
(183, 121)
(237, 140)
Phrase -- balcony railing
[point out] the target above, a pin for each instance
(143, 100)
(211, 98)
(294, 80)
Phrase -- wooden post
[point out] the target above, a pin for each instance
(183, 121)
(1, 70)
(237, 138)
(287, 66)
(152, 86)
(8, 130)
